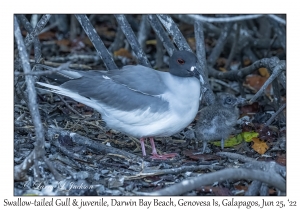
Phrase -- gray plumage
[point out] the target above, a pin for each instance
(216, 121)
(138, 100)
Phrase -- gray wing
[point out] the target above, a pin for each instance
(119, 90)
(137, 78)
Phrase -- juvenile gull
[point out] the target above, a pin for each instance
(216, 121)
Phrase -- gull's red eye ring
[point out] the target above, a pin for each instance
(180, 61)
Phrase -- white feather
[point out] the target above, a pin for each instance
(182, 94)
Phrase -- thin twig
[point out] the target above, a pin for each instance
(179, 170)
(275, 114)
(97, 42)
(234, 46)
(253, 189)
(224, 19)
(200, 46)
(143, 33)
(278, 19)
(71, 108)
(81, 140)
(55, 173)
(141, 56)
(220, 44)
(36, 31)
(39, 151)
(276, 71)
(161, 34)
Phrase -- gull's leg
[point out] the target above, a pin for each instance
(157, 156)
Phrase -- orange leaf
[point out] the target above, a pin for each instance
(222, 69)
(192, 42)
(259, 146)
(123, 52)
(64, 42)
(47, 35)
(264, 72)
(255, 82)
(247, 62)
(221, 61)
(241, 187)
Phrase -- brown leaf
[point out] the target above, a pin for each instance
(64, 42)
(105, 31)
(247, 62)
(255, 82)
(249, 109)
(259, 146)
(222, 69)
(46, 35)
(241, 187)
(264, 72)
(192, 42)
(221, 62)
(123, 52)
(267, 133)
(281, 159)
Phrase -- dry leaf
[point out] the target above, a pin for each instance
(221, 61)
(123, 52)
(255, 82)
(192, 42)
(264, 72)
(222, 69)
(247, 62)
(46, 35)
(241, 187)
(64, 42)
(152, 42)
(105, 31)
(259, 146)
(250, 108)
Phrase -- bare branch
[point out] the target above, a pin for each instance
(253, 188)
(162, 35)
(276, 71)
(143, 32)
(278, 19)
(220, 176)
(220, 44)
(36, 31)
(141, 56)
(97, 42)
(224, 19)
(39, 151)
(275, 114)
(200, 46)
(81, 140)
(173, 171)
